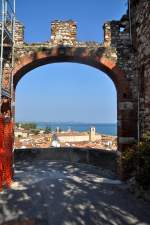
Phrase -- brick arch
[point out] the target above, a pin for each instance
(28, 62)
(126, 111)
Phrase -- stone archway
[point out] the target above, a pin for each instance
(114, 56)
(32, 60)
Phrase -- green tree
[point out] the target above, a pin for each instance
(17, 124)
(29, 126)
(47, 130)
(35, 131)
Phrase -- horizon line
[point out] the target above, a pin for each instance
(26, 121)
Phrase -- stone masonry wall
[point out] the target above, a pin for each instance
(115, 52)
(140, 20)
(63, 32)
(117, 35)
(19, 41)
(19, 33)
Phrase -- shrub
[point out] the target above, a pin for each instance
(129, 158)
(136, 162)
(143, 163)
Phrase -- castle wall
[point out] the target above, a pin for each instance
(63, 32)
(140, 20)
(117, 56)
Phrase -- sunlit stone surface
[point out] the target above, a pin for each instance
(48, 192)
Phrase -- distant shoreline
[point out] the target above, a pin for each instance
(61, 122)
(103, 128)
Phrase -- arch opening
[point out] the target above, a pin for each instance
(126, 133)
(86, 81)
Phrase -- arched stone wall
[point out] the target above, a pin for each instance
(125, 109)
(115, 56)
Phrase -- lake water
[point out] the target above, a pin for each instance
(109, 128)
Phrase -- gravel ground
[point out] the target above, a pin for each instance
(60, 193)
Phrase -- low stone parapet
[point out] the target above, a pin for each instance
(102, 158)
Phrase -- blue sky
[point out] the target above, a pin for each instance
(67, 91)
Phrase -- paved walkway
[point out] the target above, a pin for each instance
(58, 193)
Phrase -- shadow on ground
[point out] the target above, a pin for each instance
(61, 193)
